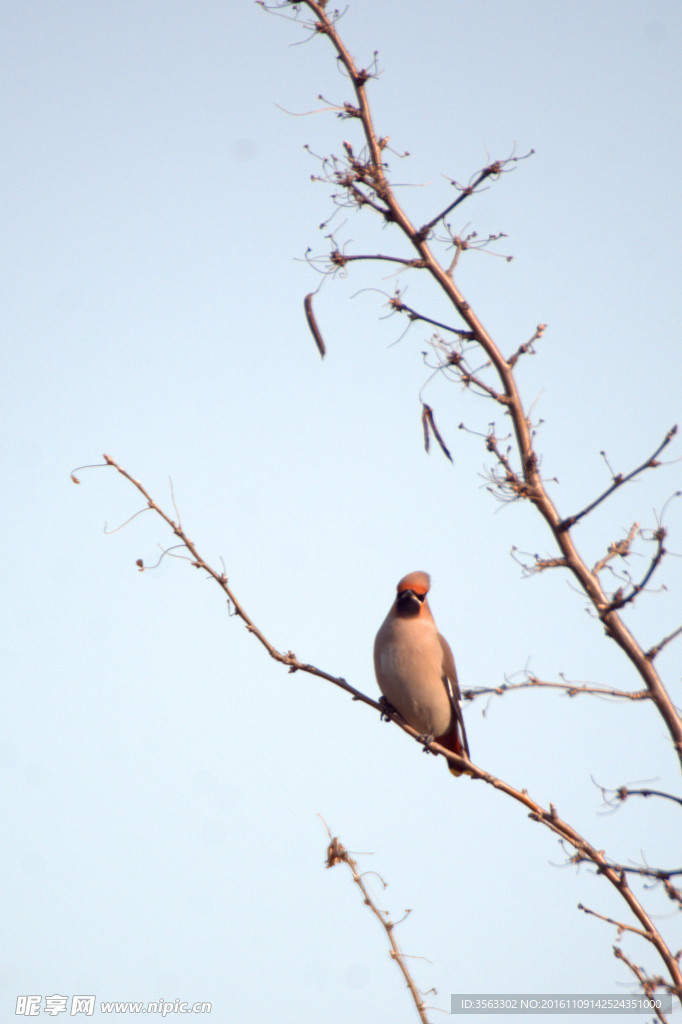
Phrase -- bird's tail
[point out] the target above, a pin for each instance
(455, 739)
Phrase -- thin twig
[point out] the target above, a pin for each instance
(339, 259)
(619, 480)
(617, 549)
(611, 920)
(337, 853)
(492, 171)
(620, 598)
(648, 985)
(399, 306)
(620, 795)
(569, 689)
(657, 648)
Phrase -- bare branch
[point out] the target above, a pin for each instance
(508, 484)
(494, 170)
(472, 242)
(470, 379)
(618, 549)
(621, 599)
(285, 658)
(610, 920)
(339, 259)
(527, 346)
(397, 304)
(584, 851)
(657, 875)
(336, 854)
(654, 651)
(649, 985)
(619, 480)
(364, 180)
(615, 797)
(568, 689)
(539, 564)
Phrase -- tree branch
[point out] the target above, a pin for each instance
(493, 170)
(399, 306)
(649, 985)
(569, 689)
(657, 648)
(370, 170)
(337, 853)
(547, 817)
(620, 598)
(615, 797)
(339, 259)
(619, 480)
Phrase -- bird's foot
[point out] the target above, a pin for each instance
(387, 710)
(427, 741)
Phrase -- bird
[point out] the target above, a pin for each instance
(415, 668)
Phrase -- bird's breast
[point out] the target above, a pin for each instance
(408, 663)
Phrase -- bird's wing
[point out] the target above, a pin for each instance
(452, 686)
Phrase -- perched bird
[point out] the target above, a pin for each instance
(415, 668)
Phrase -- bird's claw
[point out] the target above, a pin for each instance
(427, 741)
(387, 709)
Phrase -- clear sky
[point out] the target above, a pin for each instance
(161, 777)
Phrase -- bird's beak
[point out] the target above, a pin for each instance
(409, 599)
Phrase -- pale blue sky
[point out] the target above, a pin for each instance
(161, 776)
